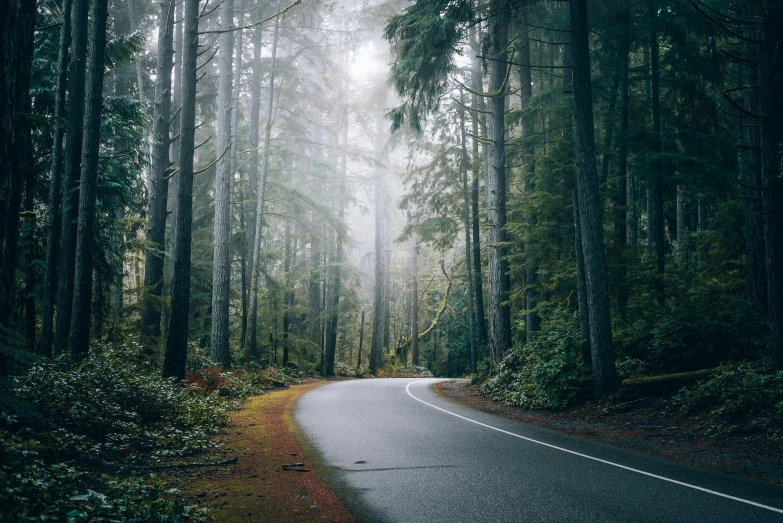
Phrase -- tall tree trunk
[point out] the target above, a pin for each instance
(468, 269)
(137, 63)
(624, 219)
(581, 284)
(177, 341)
(49, 293)
(499, 282)
(414, 301)
(380, 299)
(17, 25)
(750, 158)
(682, 233)
(74, 131)
(28, 240)
(658, 217)
(771, 105)
(288, 292)
(259, 213)
(221, 265)
(609, 121)
(158, 208)
(532, 320)
(314, 287)
(476, 124)
(235, 110)
(334, 312)
(176, 105)
(604, 373)
(251, 346)
(88, 186)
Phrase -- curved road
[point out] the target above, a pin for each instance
(394, 450)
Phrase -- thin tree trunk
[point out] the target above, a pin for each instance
(314, 287)
(251, 345)
(235, 110)
(469, 275)
(288, 293)
(658, 229)
(682, 233)
(177, 342)
(499, 283)
(88, 186)
(604, 373)
(55, 192)
(414, 301)
(361, 342)
(380, 302)
(74, 130)
(532, 320)
(334, 314)
(260, 195)
(609, 122)
(28, 229)
(137, 62)
(158, 208)
(476, 85)
(221, 265)
(624, 219)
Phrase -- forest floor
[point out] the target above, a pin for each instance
(649, 429)
(271, 479)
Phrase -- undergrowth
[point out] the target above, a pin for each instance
(547, 373)
(82, 443)
(740, 399)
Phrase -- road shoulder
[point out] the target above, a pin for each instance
(272, 479)
(645, 431)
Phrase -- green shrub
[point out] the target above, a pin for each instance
(736, 391)
(547, 373)
(112, 403)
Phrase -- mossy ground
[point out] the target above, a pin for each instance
(256, 487)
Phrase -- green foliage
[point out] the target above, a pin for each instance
(744, 398)
(113, 411)
(424, 40)
(708, 323)
(547, 373)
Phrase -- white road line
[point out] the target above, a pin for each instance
(630, 469)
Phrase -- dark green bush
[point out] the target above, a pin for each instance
(546, 374)
(735, 391)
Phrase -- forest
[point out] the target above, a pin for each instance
(200, 198)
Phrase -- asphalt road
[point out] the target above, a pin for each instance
(394, 450)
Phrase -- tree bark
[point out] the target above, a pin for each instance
(380, 299)
(414, 301)
(158, 208)
(771, 105)
(581, 284)
(658, 228)
(259, 213)
(468, 269)
(499, 283)
(74, 131)
(624, 219)
(177, 341)
(532, 320)
(476, 124)
(49, 293)
(221, 265)
(88, 186)
(251, 345)
(604, 373)
(289, 295)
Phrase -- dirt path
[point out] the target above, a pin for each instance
(258, 487)
(647, 430)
